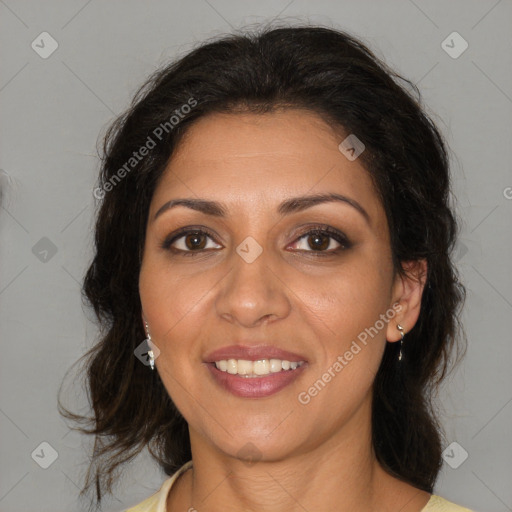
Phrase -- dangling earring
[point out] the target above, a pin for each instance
(401, 329)
(151, 355)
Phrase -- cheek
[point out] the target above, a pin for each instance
(175, 306)
(349, 341)
(344, 310)
(170, 297)
(348, 299)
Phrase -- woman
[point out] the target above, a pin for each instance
(275, 223)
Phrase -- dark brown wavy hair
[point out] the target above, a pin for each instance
(336, 76)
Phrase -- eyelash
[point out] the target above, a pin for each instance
(316, 230)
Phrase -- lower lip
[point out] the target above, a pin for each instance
(255, 387)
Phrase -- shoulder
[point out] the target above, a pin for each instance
(438, 504)
(156, 502)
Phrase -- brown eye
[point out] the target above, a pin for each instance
(188, 241)
(323, 241)
(194, 241)
(319, 242)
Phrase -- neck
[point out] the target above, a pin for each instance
(341, 474)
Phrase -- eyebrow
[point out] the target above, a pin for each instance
(292, 205)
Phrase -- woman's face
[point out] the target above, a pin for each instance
(256, 278)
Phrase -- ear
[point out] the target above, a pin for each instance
(407, 291)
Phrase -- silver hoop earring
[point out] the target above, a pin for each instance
(401, 329)
(151, 355)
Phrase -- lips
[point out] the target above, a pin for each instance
(258, 387)
(251, 353)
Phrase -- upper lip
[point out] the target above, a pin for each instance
(251, 353)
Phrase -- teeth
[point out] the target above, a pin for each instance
(232, 366)
(255, 368)
(244, 367)
(276, 365)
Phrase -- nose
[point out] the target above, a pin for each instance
(253, 292)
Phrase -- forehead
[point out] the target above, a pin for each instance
(249, 160)
(283, 134)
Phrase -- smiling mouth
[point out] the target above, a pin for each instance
(254, 369)
(255, 379)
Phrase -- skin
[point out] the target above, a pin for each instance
(316, 456)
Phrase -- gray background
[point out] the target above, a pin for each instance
(52, 112)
